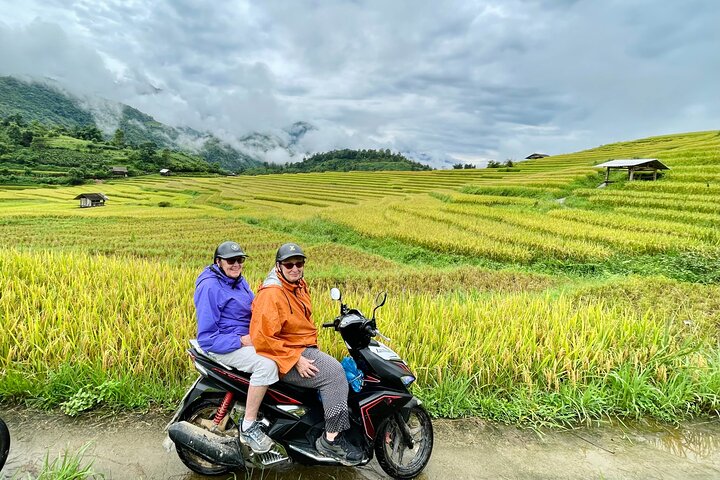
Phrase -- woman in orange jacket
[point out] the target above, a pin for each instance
(283, 330)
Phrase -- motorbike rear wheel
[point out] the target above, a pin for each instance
(4, 443)
(204, 409)
(393, 454)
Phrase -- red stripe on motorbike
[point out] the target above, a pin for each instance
(274, 394)
(371, 379)
(404, 366)
(232, 376)
(365, 413)
(282, 398)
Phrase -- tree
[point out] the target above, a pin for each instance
(14, 133)
(458, 166)
(26, 138)
(38, 128)
(118, 138)
(38, 142)
(17, 119)
(147, 151)
(494, 164)
(88, 132)
(76, 176)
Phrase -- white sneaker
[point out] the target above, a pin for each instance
(256, 439)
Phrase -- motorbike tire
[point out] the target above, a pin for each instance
(4, 443)
(204, 408)
(391, 451)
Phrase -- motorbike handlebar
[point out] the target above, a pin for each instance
(328, 325)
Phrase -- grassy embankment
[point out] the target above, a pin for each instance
(508, 303)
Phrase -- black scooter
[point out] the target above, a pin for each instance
(386, 419)
(4, 443)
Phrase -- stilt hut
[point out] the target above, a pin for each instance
(91, 200)
(633, 166)
(119, 171)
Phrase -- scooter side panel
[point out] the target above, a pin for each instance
(376, 406)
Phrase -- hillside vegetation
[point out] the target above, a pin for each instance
(32, 153)
(523, 294)
(45, 105)
(345, 160)
(40, 103)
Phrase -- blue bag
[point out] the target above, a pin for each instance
(352, 373)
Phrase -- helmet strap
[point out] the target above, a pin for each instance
(278, 268)
(219, 265)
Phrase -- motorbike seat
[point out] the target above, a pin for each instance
(209, 356)
(303, 394)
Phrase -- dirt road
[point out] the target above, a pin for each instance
(130, 447)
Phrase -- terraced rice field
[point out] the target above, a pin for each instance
(525, 294)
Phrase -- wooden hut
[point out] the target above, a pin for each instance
(633, 166)
(119, 171)
(165, 172)
(534, 156)
(91, 200)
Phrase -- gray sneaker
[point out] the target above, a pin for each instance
(256, 439)
(339, 449)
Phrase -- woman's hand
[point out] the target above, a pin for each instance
(245, 341)
(305, 367)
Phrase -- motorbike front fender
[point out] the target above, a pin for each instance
(405, 410)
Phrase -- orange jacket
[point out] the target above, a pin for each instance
(282, 325)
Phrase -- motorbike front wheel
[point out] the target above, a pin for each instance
(393, 454)
(201, 413)
(4, 443)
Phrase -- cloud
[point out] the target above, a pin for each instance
(474, 79)
(44, 50)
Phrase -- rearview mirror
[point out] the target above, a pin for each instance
(335, 293)
(380, 299)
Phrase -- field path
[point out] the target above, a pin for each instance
(130, 447)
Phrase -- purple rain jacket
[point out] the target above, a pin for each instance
(223, 306)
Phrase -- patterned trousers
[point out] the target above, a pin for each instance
(333, 386)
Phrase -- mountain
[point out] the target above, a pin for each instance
(32, 153)
(358, 160)
(38, 102)
(344, 161)
(50, 106)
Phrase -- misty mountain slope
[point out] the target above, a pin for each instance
(48, 105)
(77, 139)
(38, 102)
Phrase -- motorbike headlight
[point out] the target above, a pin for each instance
(407, 380)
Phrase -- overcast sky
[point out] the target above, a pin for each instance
(473, 80)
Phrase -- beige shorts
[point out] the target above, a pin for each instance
(264, 371)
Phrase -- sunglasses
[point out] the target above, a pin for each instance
(290, 265)
(233, 261)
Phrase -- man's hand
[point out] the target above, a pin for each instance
(305, 367)
(245, 340)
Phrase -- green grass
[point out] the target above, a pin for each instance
(69, 466)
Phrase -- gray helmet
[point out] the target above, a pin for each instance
(288, 250)
(229, 250)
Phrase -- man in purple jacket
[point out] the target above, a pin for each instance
(223, 302)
